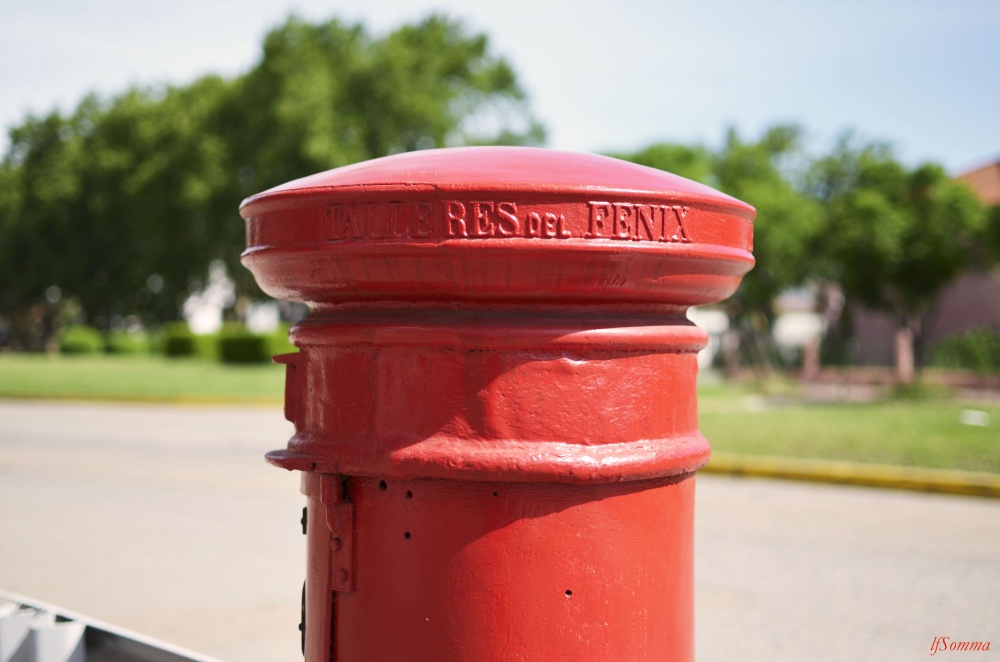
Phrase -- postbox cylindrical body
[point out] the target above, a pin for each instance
(494, 399)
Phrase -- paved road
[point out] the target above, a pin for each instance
(166, 520)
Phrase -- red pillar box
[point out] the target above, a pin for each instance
(494, 402)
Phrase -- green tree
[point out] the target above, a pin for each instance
(114, 205)
(763, 173)
(39, 182)
(693, 162)
(326, 95)
(329, 94)
(993, 233)
(766, 173)
(151, 183)
(769, 174)
(894, 237)
(123, 204)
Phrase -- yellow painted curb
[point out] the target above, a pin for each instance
(944, 481)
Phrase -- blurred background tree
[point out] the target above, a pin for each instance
(691, 161)
(768, 174)
(890, 237)
(119, 208)
(764, 173)
(894, 237)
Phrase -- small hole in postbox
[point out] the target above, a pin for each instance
(409, 494)
(496, 493)
(569, 593)
(382, 485)
(407, 535)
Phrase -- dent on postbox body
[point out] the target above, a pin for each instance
(494, 399)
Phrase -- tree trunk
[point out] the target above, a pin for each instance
(731, 353)
(905, 372)
(810, 360)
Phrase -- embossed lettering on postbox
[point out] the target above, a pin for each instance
(381, 221)
(505, 219)
(622, 220)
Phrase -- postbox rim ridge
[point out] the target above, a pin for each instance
(509, 460)
(522, 170)
(593, 335)
(678, 274)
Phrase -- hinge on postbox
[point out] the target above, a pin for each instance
(340, 520)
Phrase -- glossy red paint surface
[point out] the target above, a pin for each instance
(498, 225)
(494, 400)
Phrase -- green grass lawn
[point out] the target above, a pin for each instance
(139, 378)
(924, 433)
(735, 419)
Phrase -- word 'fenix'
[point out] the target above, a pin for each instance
(454, 219)
(636, 222)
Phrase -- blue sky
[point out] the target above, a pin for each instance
(921, 74)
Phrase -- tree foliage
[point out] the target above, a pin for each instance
(691, 161)
(762, 173)
(892, 237)
(765, 173)
(119, 207)
(122, 204)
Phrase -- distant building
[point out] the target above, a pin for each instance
(985, 182)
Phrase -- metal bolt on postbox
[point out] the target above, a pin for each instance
(494, 399)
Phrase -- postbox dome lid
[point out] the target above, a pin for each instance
(498, 224)
(513, 169)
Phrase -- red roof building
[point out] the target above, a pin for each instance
(985, 182)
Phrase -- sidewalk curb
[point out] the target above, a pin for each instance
(944, 481)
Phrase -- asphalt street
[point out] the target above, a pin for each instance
(167, 521)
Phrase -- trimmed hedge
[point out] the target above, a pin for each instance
(243, 347)
(177, 341)
(977, 349)
(80, 339)
(239, 345)
(126, 342)
(235, 344)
